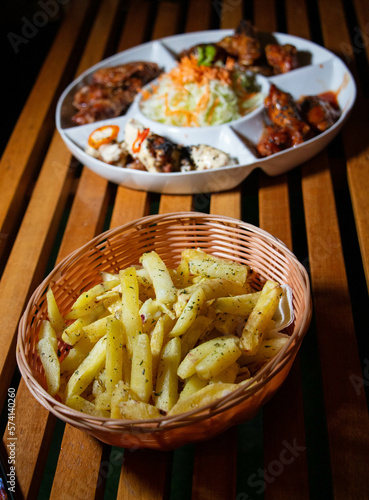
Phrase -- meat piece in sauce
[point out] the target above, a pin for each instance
(290, 123)
(273, 140)
(118, 76)
(282, 58)
(320, 112)
(96, 102)
(156, 153)
(112, 91)
(282, 111)
(99, 110)
(243, 44)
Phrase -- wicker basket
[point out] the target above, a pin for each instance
(169, 235)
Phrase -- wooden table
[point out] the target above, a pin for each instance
(311, 440)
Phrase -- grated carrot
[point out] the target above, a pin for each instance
(176, 88)
(189, 71)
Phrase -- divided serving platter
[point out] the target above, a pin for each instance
(320, 71)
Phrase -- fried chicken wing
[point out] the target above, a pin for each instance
(97, 103)
(319, 112)
(273, 140)
(282, 58)
(289, 123)
(282, 111)
(99, 110)
(112, 91)
(243, 44)
(116, 76)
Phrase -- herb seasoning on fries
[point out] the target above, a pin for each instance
(153, 341)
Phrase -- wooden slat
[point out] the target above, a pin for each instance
(167, 19)
(347, 415)
(144, 475)
(88, 211)
(172, 203)
(354, 135)
(31, 131)
(283, 415)
(26, 259)
(77, 473)
(227, 203)
(215, 468)
(129, 205)
(281, 423)
(215, 463)
(75, 470)
(198, 15)
(132, 482)
(41, 214)
(87, 214)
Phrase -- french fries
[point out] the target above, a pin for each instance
(152, 341)
(47, 348)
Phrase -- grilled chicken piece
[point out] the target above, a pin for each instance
(273, 140)
(282, 58)
(159, 154)
(243, 44)
(91, 93)
(112, 91)
(96, 102)
(117, 76)
(282, 111)
(114, 102)
(318, 112)
(99, 110)
(155, 152)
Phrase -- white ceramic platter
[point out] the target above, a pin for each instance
(320, 71)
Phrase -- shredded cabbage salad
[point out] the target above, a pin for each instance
(197, 96)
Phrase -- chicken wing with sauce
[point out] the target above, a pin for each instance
(117, 76)
(319, 112)
(112, 91)
(282, 58)
(282, 111)
(290, 123)
(273, 140)
(243, 44)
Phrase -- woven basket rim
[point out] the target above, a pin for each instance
(198, 414)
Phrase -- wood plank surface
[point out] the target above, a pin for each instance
(44, 211)
(157, 464)
(312, 439)
(33, 129)
(215, 462)
(355, 136)
(280, 429)
(347, 417)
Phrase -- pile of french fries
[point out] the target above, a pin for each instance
(153, 341)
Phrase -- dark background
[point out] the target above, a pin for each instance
(22, 57)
